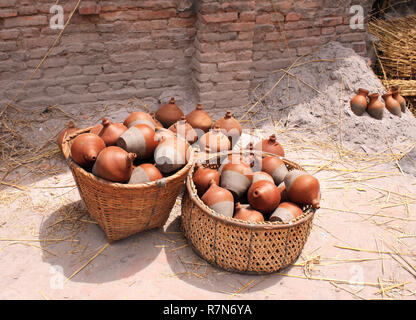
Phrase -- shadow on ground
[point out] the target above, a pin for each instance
(193, 270)
(121, 259)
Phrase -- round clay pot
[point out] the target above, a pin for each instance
(286, 212)
(169, 113)
(164, 133)
(264, 196)
(214, 141)
(303, 188)
(236, 177)
(96, 129)
(171, 154)
(203, 176)
(139, 118)
(111, 132)
(85, 149)
(262, 176)
(375, 107)
(139, 139)
(359, 102)
(271, 146)
(114, 164)
(247, 214)
(399, 98)
(230, 127)
(392, 104)
(199, 119)
(184, 130)
(146, 172)
(276, 168)
(71, 128)
(219, 199)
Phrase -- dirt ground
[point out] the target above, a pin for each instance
(362, 244)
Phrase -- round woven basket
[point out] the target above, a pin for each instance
(240, 246)
(122, 210)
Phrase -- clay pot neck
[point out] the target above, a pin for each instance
(272, 139)
(172, 101)
(71, 125)
(373, 96)
(199, 107)
(105, 122)
(238, 206)
(363, 92)
(387, 95)
(228, 115)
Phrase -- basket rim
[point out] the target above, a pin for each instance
(267, 225)
(71, 163)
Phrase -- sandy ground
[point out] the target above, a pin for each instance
(47, 238)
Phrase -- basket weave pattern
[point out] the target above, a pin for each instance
(240, 246)
(122, 210)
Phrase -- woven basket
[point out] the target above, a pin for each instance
(407, 87)
(240, 246)
(122, 210)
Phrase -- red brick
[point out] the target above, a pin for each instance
(235, 45)
(7, 13)
(25, 21)
(220, 17)
(292, 16)
(7, 3)
(182, 22)
(88, 8)
(239, 26)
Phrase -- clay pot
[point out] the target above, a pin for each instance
(236, 177)
(146, 172)
(283, 192)
(219, 199)
(199, 119)
(262, 176)
(65, 133)
(399, 98)
(392, 104)
(214, 141)
(359, 102)
(302, 188)
(263, 196)
(114, 164)
(286, 212)
(164, 133)
(276, 168)
(85, 149)
(96, 129)
(139, 118)
(230, 127)
(111, 132)
(169, 113)
(247, 214)
(158, 124)
(171, 154)
(139, 139)
(203, 176)
(184, 130)
(271, 146)
(375, 107)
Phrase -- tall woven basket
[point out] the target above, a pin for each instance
(240, 246)
(122, 210)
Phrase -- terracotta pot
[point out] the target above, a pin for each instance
(169, 113)
(283, 192)
(199, 119)
(276, 168)
(96, 129)
(392, 104)
(111, 132)
(236, 177)
(114, 164)
(286, 212)
(262, 176)
(271, 146)
(139, 139)
(399, 98)
(171, 154)
(247, 214)
(65, 133)
(164, 133)
(230, 127)
(158, 124)
(139, 118)
(85, 149)
(219, 199)
(359, 102)
(146, 172)
(214, 141)
(302, 188)
(264, 196)
(184, 130)
(375, 107)
(203, 176)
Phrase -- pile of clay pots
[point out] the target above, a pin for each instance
(393, 101)
(256, 189)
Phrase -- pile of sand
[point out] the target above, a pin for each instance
(318, 96)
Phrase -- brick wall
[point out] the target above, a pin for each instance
(113, 50)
